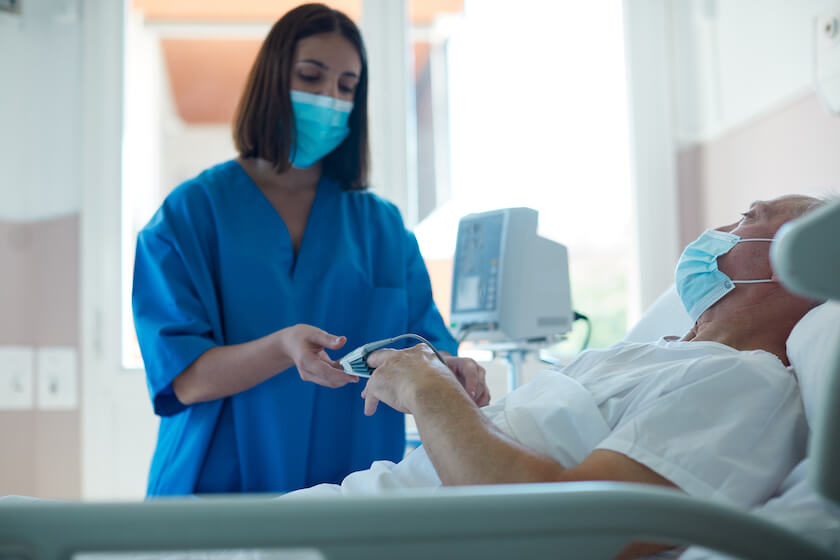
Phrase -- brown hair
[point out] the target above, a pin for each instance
(264, 123)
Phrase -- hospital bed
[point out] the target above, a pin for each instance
(569, 520)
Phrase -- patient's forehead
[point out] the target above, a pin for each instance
(787, 207)
(764, 217)
(779, 210)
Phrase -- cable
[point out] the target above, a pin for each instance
(582, 317)
(355, 363)
(462, 336)
(421, 339)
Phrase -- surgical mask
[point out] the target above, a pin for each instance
(699, 282)
(321, 125)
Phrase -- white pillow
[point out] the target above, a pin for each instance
(665, 316)
(797, 507)
(810, 346)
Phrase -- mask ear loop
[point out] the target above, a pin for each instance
(766, 281)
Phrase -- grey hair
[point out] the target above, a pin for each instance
(830, 196)
(810, 203)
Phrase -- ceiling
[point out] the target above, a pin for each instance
(207, 75)
(422, 11)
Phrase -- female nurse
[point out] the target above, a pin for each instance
(251, 278)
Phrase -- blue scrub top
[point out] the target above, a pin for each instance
(216, 266)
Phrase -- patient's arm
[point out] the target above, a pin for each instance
(466, 448)
(463, 445)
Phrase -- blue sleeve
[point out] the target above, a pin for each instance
(173, 303)
(423, 315)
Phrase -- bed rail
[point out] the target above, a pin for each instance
(569, 520)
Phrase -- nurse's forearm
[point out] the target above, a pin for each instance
(223, 371)
(466, 448)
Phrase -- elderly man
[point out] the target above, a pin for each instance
(716, 413)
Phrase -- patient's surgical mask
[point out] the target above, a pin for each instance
(320, 124)
(699, 282)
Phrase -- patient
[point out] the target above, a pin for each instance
(716, 413)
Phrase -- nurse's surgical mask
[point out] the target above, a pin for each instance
(699, 282)
(321, 125)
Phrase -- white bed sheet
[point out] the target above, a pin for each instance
(797, 507)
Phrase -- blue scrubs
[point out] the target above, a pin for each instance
(216, 266)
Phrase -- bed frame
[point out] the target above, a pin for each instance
(563, 520)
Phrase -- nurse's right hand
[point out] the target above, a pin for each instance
(305, 345)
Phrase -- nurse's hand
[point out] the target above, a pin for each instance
(471, 375)
(305, 344)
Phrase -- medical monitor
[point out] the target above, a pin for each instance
(508, 283)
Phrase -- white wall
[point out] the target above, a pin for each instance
(735, 60)
(40, 117)
(749, 122)
(40, 198)
(712, 70)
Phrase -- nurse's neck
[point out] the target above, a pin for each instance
(291, 182)
(291, 193)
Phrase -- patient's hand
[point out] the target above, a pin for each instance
(471, 375)
(400, 375)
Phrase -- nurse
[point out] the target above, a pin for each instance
(253, 277)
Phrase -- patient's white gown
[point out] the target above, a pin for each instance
(718, 422)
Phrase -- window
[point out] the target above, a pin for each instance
(538, 117)
(185, 69)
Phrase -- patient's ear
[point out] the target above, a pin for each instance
(775, 278)
(810, 303)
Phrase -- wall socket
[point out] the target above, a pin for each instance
(16, 374)
(57, 378)
(827, 72)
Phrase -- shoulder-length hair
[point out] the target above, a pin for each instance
(264, 122)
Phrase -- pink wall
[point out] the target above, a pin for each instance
(795, 149)
(39, 306)
(15, 323)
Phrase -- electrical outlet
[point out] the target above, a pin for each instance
(57, 383)
(16, 365)
(827, 74)
(828, 28)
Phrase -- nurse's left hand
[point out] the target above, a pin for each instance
(472, 378)
(305, 345)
